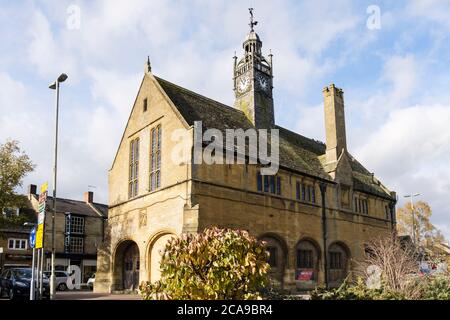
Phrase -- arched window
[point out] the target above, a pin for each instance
(307, 266)
(337, 263)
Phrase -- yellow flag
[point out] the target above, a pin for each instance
(44, 187)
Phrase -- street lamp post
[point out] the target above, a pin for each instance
(55, 86)
(411, 196)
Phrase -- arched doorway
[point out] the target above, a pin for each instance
(338, 257)
(307, 264)
(277, 259)
(131, 267)
(126, 266)
(156, 251)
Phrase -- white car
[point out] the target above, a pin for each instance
(61, 279)
(91, 281)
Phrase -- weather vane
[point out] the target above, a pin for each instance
(252, 23)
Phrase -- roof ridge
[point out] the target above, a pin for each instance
(188, 91)
(92, 205)
(80, 201)
(300, 135)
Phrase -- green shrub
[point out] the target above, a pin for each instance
(417, 288)
(358, 291)
(437, 288)
(215, 264)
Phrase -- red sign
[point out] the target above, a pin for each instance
(305, 275)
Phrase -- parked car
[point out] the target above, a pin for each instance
(61, 279)
(16, 283)
(91, 281)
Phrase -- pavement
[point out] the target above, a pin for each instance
(89, 295)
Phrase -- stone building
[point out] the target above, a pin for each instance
(79, 231)
(315, 213)
(15, 251)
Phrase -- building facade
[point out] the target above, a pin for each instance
(315, 214)
(79, 232)
(15, 251)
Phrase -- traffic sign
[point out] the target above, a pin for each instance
(33, 237)
(40, 237)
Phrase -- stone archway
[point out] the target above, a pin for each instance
(156, 250)
(307, 264)
(338, 263)
(277, 249)
(126, 266)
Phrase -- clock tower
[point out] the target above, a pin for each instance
(253, 81)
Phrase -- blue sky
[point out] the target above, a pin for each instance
(395, 78)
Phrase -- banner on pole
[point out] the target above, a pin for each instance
(40, 236)
(41, 216)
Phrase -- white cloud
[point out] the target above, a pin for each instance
(398, 84)
(410, 152)
(45, 52)
(311, 122)
(434, 10)
(401, 73)
(21, 119)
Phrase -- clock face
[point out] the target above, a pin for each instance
(263, 82)
(243, 84)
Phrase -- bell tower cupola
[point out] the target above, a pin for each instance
(253, 81)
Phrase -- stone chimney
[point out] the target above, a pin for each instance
(32, 190)
(336, 140)
(89, 197)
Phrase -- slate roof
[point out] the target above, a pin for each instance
(15, 229)
(297, 152)
(77, 207)
(194, 107)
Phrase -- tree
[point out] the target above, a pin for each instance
(389, 271)
(14, 166)
(389, 263)
(425, 233)
(215, 264)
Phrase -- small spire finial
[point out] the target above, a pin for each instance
(252, 22)
(148, 65)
